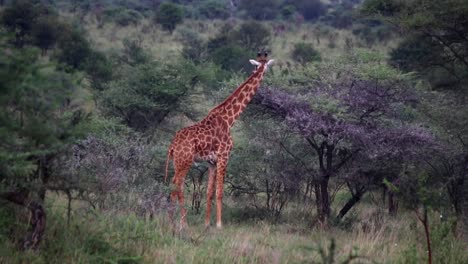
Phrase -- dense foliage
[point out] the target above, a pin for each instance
(359, 127)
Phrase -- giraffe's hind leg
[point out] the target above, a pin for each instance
(177, 194)
(210, 193)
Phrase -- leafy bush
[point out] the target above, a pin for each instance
(99, 69)
(213, 9)
(372, 33)
(288, 11)
(304, 53)
(31, 24)
(252, 36)
(122, 16)
(232, 48)
(383, 7)
(19, 18)
(133, 53)
(45, 32)
(194, 47)
(309, 9)
(260, 9)
(169, 15)
(232, 57)
(105, 167)
(74, 49)
(340, 17)
(147, 92)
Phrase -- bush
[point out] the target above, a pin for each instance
(147, 92)
(169, 15)
(260, 9)
(213, 9)
(31, 24)
(252, 36)
(74, 49)
(372, 33)
(232, 58)
(232, 48)
(45, 32)
(421, 54)
(309, 9)
(304, 53)
(123, 17)
(133, 53)
(194, 47)
(99, 70)
(19, 18)
(288, 11)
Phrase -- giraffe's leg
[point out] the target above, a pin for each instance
(210, 193)
(220, 172)
(178, 192)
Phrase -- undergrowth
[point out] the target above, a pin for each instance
(95, 236)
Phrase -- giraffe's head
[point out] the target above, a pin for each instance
(261, 60)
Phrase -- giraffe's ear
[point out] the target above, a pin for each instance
(270, 62)
(254, 62)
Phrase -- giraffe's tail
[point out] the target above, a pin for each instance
(169, 157)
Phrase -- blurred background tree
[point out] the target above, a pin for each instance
(169, 15)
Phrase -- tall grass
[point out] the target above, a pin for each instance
(95, 236)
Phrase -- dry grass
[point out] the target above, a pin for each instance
(113, 237)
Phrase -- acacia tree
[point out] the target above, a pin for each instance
(356, 109)
(37, 122)
(267, 165)
(436, 48)
(147, 92)
(433, 42)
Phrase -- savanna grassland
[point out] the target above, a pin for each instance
(354, 150)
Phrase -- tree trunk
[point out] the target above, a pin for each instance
(351, 202)
(324, 203)
(392, 204)
(384, 195)
(268, 194)
(307, 190)
(464, 202)
(37, 221)
(69, 197)
(318, 198)
(38, 225)
(424, 220)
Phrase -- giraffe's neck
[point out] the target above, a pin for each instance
(236, 103)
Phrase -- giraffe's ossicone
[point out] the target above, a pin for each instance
(210, 140)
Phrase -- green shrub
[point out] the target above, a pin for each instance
(310, 9)
(127, 17)
(304, 53)
(133, 52)
(212, 9)
(260, 9)
(252, 36)
(74, 49)
(147, 92)
(194, 47)
(232, 58)
(122, 16)
(287, 11)
(99, 69)
(169, 15)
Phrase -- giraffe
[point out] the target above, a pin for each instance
(210, 140)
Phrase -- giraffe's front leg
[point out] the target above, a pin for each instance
(210, 192)
(221, 171)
